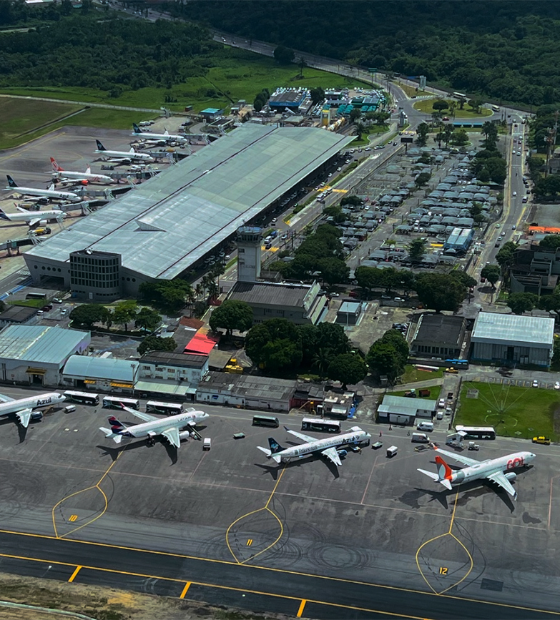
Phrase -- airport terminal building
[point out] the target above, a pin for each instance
(169, 224)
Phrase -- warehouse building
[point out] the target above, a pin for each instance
(459, 240)
(438, 335)
(170, 223)
(509, 339)
(104, 374)
(403, 410)
(34, 354)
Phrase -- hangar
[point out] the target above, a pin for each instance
(165, 226)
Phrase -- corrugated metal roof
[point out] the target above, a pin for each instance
(101, 368)
(406, 406)
(513, 329)
(168, 223)
(36, 343)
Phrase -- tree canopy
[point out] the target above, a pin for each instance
(347, 368)
(156, 343)
(232, 315)
(388, 355)
(440, 291)
(88, 314)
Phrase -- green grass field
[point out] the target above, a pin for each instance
(412, 374)
(236, 73)
(425, 105)
(512, 411)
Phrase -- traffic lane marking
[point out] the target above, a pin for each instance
(355, 590)
(74, 574)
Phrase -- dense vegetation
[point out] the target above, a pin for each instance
(504, 49)
(108, 55)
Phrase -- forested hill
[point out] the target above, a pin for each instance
(506, 49)
(108, 55)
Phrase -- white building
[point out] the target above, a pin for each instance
(35, 354)
(105, 374)
(510, 339)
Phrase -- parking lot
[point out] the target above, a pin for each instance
(376, 519)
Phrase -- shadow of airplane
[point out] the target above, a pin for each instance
(298, 462)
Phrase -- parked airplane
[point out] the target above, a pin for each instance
(168, 137)
(23, 407)
(153, 426)
(33, 217)
(123, 157)
(45, 193)
(490, 469)
(66, 176)
(327, 447)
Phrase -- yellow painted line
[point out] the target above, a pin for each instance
(74, 574)
(341, 191)
(282, 596)
(185, 589)
(454, 509)
(301, 608)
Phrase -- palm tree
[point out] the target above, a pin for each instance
(452, 106)
(321, 360)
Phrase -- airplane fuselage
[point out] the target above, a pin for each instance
(84, 176)
(160, 136)
(46, 193)
(158, 426)
(127, 156)
(503, 464)
(41, 215)
(33, 402)
(355, 437)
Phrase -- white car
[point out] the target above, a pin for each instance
(441, 403)
(535, 383)
(515, 193)
(557, 385)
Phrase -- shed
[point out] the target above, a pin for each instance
(100, 373)
(402, 410)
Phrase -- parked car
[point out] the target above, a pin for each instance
(541, 439)
(535, 383)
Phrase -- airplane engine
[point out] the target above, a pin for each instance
(84, 182)
(43, 222)
(184, 435)
(342, 453)
(511, 475)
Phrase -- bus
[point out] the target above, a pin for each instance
(36, 296)
(82, 397)
(323, 426)
(460, 363)
(265, 420)
(114, 402)
(152, 406)
(477, 432)
(460, 95)
(495, 108)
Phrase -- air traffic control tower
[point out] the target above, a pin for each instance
(249, 239)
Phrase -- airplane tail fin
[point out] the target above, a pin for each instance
(88, 170)
(274, 446)
(110, 435)
(270, 453)
(135, 128)
(116, 426)
(444, 473)
(11, 182)
(3, 216)
(100, 147)
(55, 166)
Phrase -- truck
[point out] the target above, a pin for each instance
(419, 438)
(541, 439)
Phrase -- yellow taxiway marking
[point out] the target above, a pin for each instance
(185, 589)
(95, 486)
(301, 608)
(74, 574)
(253, 512)
(280, 571)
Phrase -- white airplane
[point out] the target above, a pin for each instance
(152, 426)
(490, 469)
(23, 407)
(327, 447)
(66, 176)
(33, 217)
(168, 137)
(44, 193)
(123, 157)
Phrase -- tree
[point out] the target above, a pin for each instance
(440, 104)
(156, 343)
(504, 257)
(88, 314)
(277, 333)
(317, 95)
(460, 137)
(333, 270)
(169, 294)
(382, 360)
(491, 273)
(355, 114)
(416, 250)
(422, 179)
(284, 55)
(282, 355)
(395, 338)
(347, 368)
(440, 291)
(360, 129)
(232, 315)
(258, 104)
(550, 241)
(124, 312)
(332, 337)
(522, 302)
(147, 319)
(422, 130)
(463, 277)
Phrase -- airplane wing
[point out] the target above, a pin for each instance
(6, 399)
(301, 436)
(502, 481)
(143, 416)
(332, 455)
(459, 457)
(24, 416)
(172, 435)
(34, 221)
